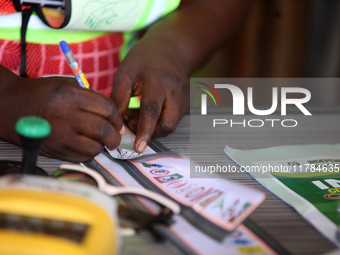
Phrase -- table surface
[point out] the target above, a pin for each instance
(274, 216)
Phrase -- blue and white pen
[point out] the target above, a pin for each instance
(71, 60)
(78, 73)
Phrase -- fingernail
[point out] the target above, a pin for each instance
(110, 148)
(122, 130)
(141, 146)
(125, 117)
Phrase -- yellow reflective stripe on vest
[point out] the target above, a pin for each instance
(38, 32)
(51, 36)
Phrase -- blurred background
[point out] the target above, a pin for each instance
(285, 39)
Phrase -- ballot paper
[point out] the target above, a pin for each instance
(192, 233)
(305, 176)
(127, 146)
(210, 208)
(220, 202)
(224, 203)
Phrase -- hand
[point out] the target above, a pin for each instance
(82, 120)
(159, 65)
(154, 73)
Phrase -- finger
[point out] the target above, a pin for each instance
(97, 128)
(77, 149)
(168, 120)
(85, 146)
(98, 104)
(174, 108)
(150, 110)
(121, 92)
(63, 153)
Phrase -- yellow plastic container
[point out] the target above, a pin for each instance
(55, 218)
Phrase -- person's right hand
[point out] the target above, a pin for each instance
(83, 121)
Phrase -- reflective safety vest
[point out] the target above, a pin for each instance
(99, 32)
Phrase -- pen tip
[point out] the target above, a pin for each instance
(64, 47)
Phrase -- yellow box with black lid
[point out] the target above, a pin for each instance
(39, 215)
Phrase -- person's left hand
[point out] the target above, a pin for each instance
(155, 73)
